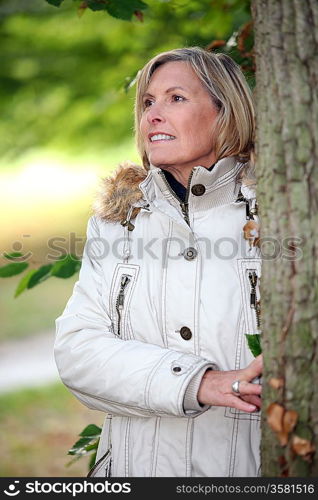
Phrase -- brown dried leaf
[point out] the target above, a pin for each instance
(289, 420)
(244, 33)
(282, 438)
(216, 44)
(302, 447)
(251, 232)
(275, 413)
(276, 383)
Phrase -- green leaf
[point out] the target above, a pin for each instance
(12, 255)
(56, 3)
(79, 446)
(39, 275)
(124, 9)
(87, 444)
(96, 4)
(66, 266)
(254, 343)
(91, 430)
(34, 277)
(23, 283)
(92, 461)
(12, 269)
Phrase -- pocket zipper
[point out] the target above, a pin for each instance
(254, 303)
(125, 279)
(97, 465)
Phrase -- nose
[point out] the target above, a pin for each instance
(155, 114)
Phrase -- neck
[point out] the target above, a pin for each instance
(181, 175)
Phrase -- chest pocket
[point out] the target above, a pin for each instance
(250, 275)
(121, 292)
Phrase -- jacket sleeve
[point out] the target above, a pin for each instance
(106, 373)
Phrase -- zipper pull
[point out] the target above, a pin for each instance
(121, 296)
(253, 281)
(247, 206)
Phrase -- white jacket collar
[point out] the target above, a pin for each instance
(221, 185)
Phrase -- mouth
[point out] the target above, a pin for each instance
(158, 137)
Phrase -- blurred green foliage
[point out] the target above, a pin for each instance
(122, 9)
(63, 76)
(38, 426)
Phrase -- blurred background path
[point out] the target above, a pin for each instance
(28, 362)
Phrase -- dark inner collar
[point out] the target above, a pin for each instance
(176, 186)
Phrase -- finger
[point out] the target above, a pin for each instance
(254, 400)
(239, 404)
(246, 388)
(255, 368)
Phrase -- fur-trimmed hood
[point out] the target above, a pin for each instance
(117, 193)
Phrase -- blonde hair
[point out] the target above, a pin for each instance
(222, 77)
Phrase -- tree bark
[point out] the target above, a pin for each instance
(286, 48)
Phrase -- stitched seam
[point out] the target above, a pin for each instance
(188, 447)
(233, 447)
(164, 288)
(112, 299)
(196, 305)
(127, 433)
(156, 446)
(150, 377)
(224, 178)
(128, 298)
(116, 403)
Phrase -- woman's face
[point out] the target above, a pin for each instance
(178, 119)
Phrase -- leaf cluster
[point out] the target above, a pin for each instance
(87, 444)
(64, 267)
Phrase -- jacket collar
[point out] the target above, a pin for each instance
(132, 187)
(221, 185)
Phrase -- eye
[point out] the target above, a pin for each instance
(178, 98)
(147, 103)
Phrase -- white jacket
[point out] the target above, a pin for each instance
(159, 301)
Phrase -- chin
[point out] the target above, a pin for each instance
(157, 161)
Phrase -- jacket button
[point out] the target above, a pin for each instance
(185, 333)
(198, 189)
(190, 253)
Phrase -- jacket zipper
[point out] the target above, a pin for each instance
(125, 279)
(254, 303)
(183, 204)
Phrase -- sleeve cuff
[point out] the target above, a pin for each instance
(190, 402)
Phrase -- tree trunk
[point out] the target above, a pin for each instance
(286, 48)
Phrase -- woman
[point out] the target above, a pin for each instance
(154, 333)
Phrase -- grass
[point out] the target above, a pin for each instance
(38, 427)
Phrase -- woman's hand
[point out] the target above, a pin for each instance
(216, 387)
